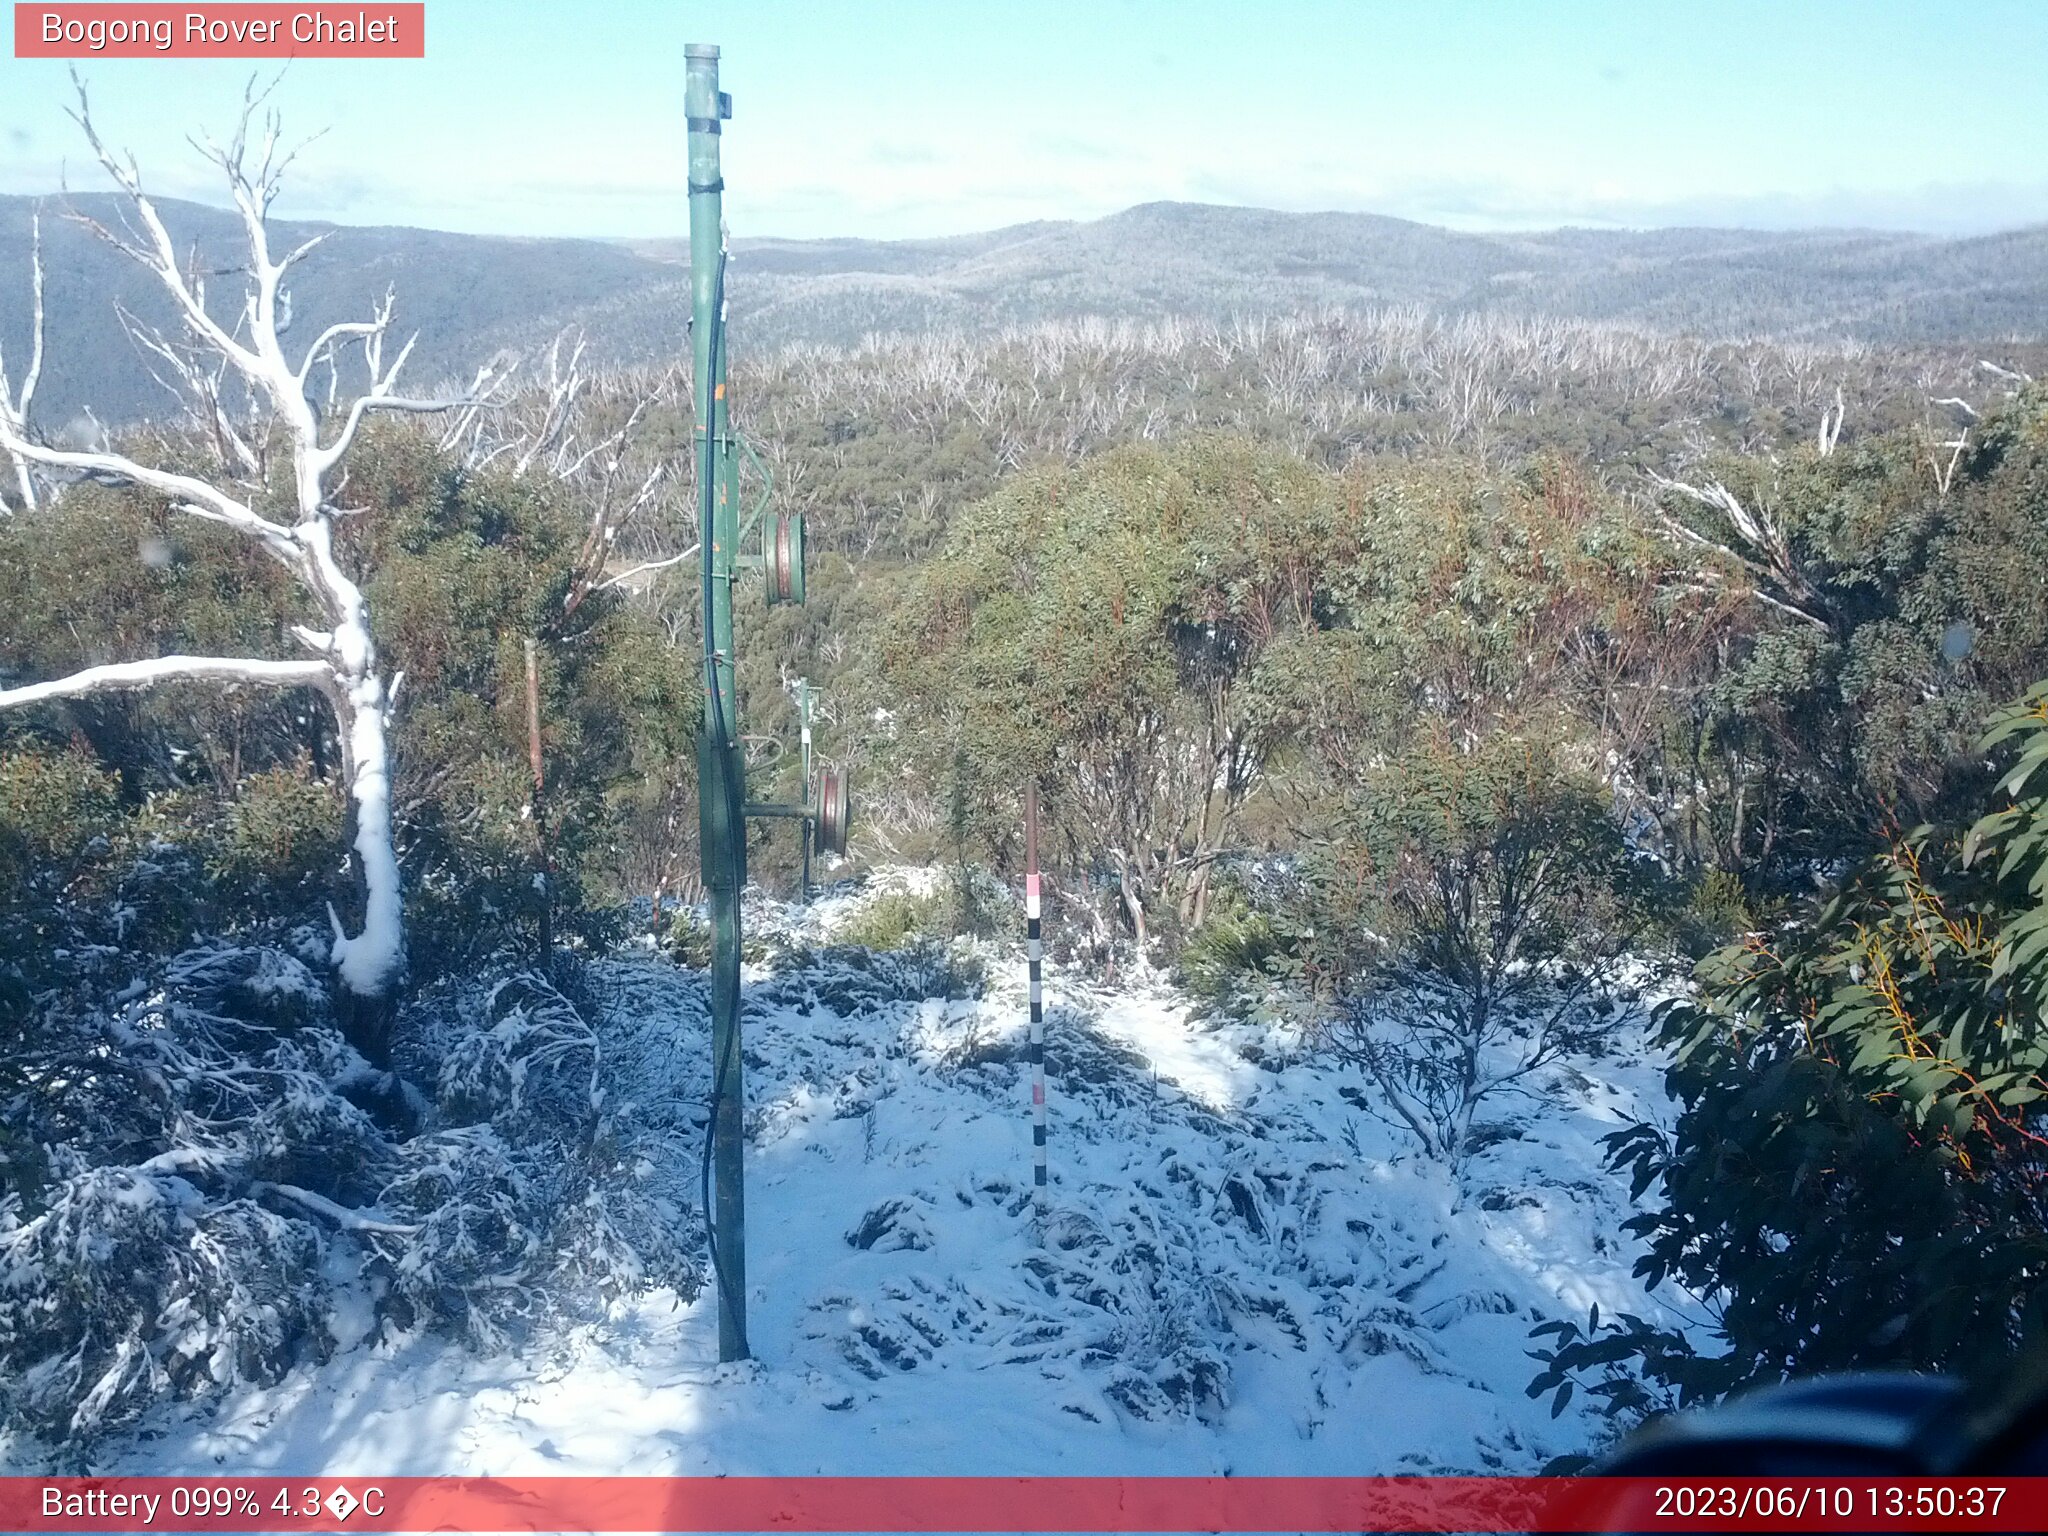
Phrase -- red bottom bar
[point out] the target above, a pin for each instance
(978, 1504)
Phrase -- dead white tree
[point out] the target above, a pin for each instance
(343, 662)
(1757, 542)
(1831, 425)
(14, 404)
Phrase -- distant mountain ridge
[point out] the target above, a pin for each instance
(472, 296)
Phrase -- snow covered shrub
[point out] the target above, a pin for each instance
(853, 981)
(1435, 1056)
(131, 1286)
(214, 1142)
(470, 1217)
(1153, 1313)
(529, 1068)
(200, 1136)
(530, 1192)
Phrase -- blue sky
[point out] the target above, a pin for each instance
(895, 118)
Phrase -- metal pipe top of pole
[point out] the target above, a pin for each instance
(704, 104)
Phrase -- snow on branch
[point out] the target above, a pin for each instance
(645, 568)
(247, 352)
(343, 1217)
(128, 676)
(195, 497)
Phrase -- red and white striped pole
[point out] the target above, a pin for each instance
(1034, 951)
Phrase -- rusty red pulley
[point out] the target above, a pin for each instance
(834, 811)
(783, 558)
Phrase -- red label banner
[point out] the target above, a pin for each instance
(120, 31)
(977, 1504)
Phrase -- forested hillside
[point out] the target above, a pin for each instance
(1148, 263)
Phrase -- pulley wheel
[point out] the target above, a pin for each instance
(834, 811)
(784, 560)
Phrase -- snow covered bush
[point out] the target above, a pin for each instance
(534, 1190)
(196, 1126)
(854, 981)
(214, 1158)
(131, 1286)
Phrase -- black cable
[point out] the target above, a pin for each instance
(722, 744)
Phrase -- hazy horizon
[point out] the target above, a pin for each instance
(681, 234)
(920, 120)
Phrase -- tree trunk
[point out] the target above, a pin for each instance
(1134, 908)
(370, 960)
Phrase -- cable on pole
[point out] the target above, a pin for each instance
(735, 794)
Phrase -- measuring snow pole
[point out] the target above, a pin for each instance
(1034, 950)
(721, 766)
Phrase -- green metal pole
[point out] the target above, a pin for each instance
(721, 782)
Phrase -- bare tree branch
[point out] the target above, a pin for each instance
(14, 409)
(1763, 550)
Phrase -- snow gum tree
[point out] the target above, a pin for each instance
(279, 461)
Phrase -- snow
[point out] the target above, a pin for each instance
(1242, 1271)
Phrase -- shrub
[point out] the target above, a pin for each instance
(855, 981)
(1853, 1182)
(1245, 963)
(214, 1138)
(57, 808)
(1469, 926)
(966, 902)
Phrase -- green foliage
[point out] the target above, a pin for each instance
(279, 839)
(892, 920)
(55, 809)
(688, 939)
(1476, 863)
(464, 570)
(1629, 1368)
(1104, 628)
(460, 570)
(1826, 735)
(1244, 960)
(1715, 910)
(1855, 1176)
(963, 903)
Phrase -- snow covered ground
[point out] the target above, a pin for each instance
(1242, 1271)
